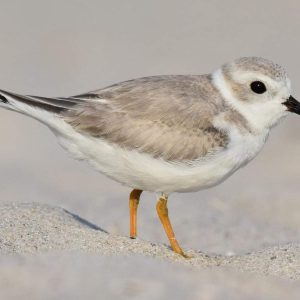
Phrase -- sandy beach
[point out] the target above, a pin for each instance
(48, 248)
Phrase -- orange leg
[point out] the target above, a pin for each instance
(134, 199)
(162, 211)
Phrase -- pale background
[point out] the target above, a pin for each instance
(61, 48)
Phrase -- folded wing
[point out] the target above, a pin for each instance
(167, 117)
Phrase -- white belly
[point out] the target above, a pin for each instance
(141, 171)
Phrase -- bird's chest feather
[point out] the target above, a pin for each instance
(244, 147)
(215, 169)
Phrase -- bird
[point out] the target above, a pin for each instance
(169, 133)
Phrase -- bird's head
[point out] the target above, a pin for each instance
(258, 88)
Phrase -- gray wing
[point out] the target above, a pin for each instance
(168, 117)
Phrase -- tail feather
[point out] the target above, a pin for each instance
(63, 103)
(53, 105)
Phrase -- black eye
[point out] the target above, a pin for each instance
(258, 87)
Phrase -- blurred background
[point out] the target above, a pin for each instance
(62, 48)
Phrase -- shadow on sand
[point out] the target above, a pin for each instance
(85, 222)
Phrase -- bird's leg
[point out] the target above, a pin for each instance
(162, 211)
(134, 199)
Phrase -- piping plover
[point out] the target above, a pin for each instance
(167, 134)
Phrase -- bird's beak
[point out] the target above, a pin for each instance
(292, 105)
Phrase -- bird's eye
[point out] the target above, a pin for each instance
(258, 87)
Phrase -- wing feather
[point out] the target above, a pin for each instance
(167, 117)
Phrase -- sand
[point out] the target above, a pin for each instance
(45, 248)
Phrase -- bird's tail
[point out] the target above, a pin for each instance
(40, 108)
